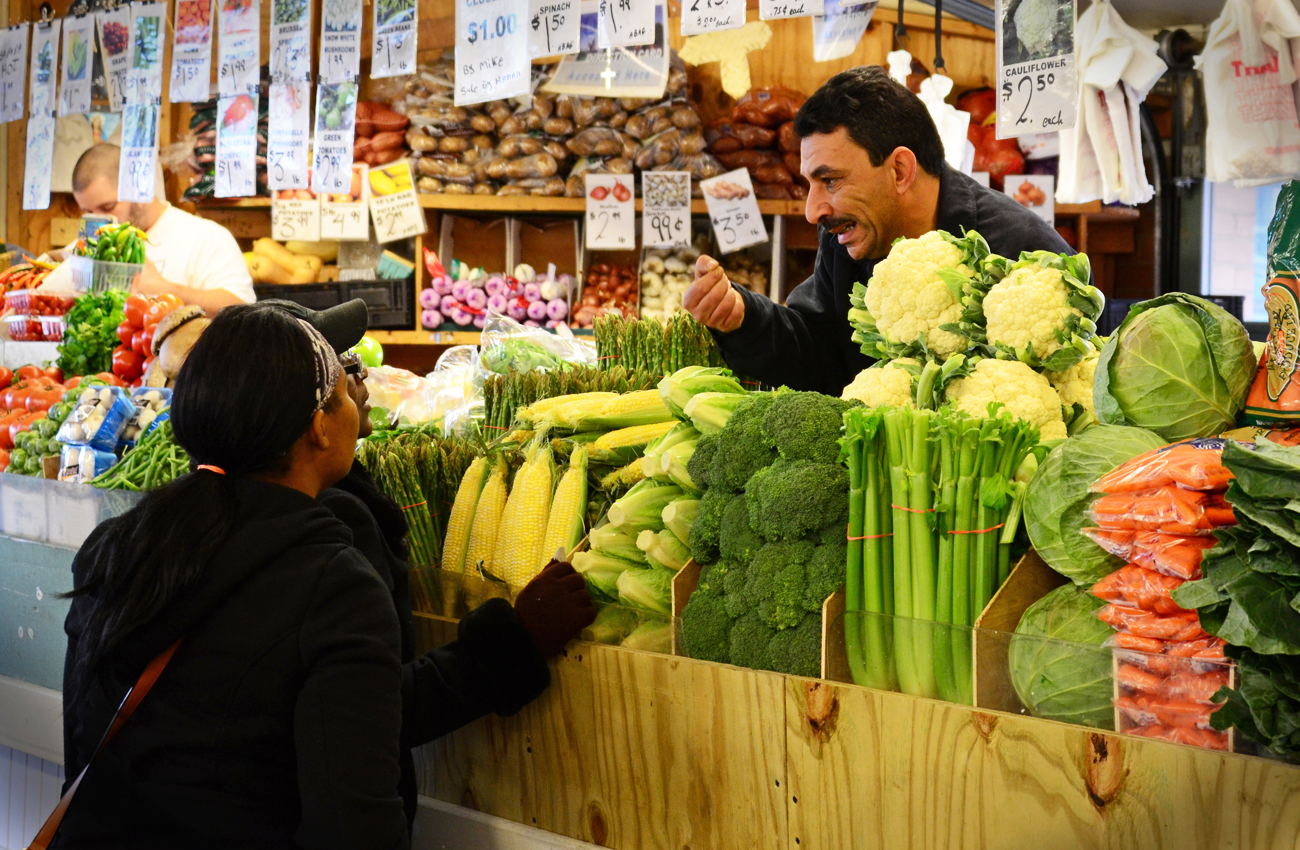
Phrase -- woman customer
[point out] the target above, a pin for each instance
(497, 664)
(276, 722)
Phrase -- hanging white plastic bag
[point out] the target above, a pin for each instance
(1252, 136)
(952, 123)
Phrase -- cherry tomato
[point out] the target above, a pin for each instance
(136, 307)
(127, 365)
(28, 372)
(126, 331)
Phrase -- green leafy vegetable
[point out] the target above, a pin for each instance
(1058, 499)
(1178, 365)
(91, 335)
(1054, 676)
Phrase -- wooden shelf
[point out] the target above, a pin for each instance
(425, 337)
(505, 204)
(1097, 212)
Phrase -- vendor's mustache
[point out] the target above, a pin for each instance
(832, 222)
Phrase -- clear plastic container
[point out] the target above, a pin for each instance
(36, 302)
(24, 328)
(99, 276)
(52, 328)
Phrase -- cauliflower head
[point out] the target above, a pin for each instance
(1043, 311)
(887, 385)
(1074, 385)
(916, 298)
(1025, 394)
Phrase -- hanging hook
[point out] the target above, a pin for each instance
(900, 31)
(47, 14)
(938, 35)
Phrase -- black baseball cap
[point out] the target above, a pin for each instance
(342, 325)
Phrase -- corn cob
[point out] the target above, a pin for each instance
(462, 515)
(564, 525)
(623, 477)
(487, 522)
(524, 524)
(636, 435)
(539, 411)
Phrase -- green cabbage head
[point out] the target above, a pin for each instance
(1178, 365)
(1059, 668)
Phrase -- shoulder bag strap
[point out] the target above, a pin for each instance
(129, 704)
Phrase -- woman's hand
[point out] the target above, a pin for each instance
(555, 607)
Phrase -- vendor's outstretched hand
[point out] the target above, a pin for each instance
(555, 607)
(711, 299)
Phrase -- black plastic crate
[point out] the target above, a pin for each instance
(391, 302)
(1117, 309)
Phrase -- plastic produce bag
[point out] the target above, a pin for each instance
(1139, 588)
(1191, 464)
(1252, 136)
(1135, 621)
(511, 346)
(402, 396)
(1169, 509)
(1177, 555)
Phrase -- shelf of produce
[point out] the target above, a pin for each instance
(633, 750)
(425, 337)
(507, 204)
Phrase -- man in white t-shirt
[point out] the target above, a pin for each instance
(190, 257)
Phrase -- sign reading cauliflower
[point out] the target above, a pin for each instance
(921, 298)
(1043, 311)
(1025, 393)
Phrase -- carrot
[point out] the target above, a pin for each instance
(1170, 509)
(1140, 588)
(1183, 626)
(1192, 464)
(1134, 678)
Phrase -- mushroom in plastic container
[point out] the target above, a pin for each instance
(532, 292)
(495, 285)
(496, 303)
(557, 309)
(430, 319)
(430, 299)
(441, 284)
(537, 310)
(517, 309)
(476, 299)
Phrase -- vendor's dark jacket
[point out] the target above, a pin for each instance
(808, 345)
(276, 723)
(492, 666)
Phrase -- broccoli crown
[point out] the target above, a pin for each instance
(710, 583)
(798, 651)
(738, 541)
(708, 526)
(706, 629)
(734, 593)
(777, 581)
(826, 569)
(743, 448)
(792, 498)
(806, 425)
(698, 467)
(750, 639)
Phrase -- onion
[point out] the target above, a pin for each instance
(460, 289)
(537, 310)
(429, 299)
(441, 284)
(496, 303)
(554, 323)
(495, 285)
(430, 319)
(623, 290)
(565, 280)
(480, 322)
(532, 292)
(557, 308)
(476, 299)
(462, 317)
(532, 323)
(515, 310)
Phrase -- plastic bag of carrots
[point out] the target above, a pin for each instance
(1135, 621)
(1177, 555)
(1192, 464)
(1165, 657)
(1138, 587)
(1171, 509)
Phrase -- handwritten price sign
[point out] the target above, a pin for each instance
(191, 51)
(340, 41)
(238, 64)
(296, 217)
(554, 28)
(395, 37)
(393, 204)
(1037, 90)
(346, 216)
(733, 211)
(700, 16)
(611, 212)
(114, 37)
(13, 65)
(624, 23)
(491, 50)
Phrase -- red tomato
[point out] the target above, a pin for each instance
(125, 332)
(28, 372)
(148, 361)
(127, 365)
(6, 377)
(8, 419)
(73, 384)
(44, 398)
(139, 344)
(136, 307)
(24, 423)
(111, 379)
(161, 306)
(14, 396)
(53, 373)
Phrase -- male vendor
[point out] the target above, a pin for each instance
(875, 166)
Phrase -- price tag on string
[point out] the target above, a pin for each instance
(617, 72)
(393, 205)
(554, 27)
(290, 35)
(13, 68)
(336, 114)
(237, 63)
(295, 214)
(624, 23)
(288, 130)
(771, 10)
(666, 209)
(611, 212)
(395, 38)
(733, 211)
(144, 82)
(45, 62)
(38, 163)
(1036, 70)
(700, 16)
(236, 169)
(346, 216)
(139, 160)
(74, 85)
(491, 50)
(192, 52)
(114, 27)
(340, 41)
(837, 31)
